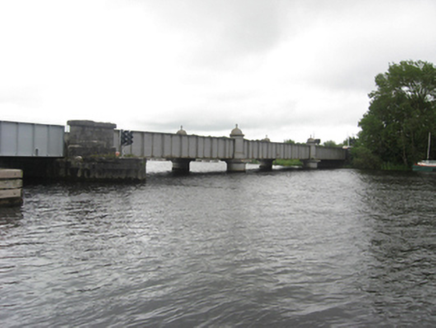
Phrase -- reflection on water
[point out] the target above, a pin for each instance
(282, 248)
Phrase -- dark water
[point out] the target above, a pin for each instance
(289, 248)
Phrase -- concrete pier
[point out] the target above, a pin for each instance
(181, 165)
(312, 162)
(266, 164)
(237, 164)
(11, 184)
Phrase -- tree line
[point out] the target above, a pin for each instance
(400, 118)
(402, 113)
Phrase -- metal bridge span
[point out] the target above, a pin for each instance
(182, 148)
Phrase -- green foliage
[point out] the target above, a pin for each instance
(394, 167)
(402, 112)
(330, 143)
(350, 141)
(363, 158)
(288, 162)
(290, 141)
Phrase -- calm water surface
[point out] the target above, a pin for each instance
(288, 248)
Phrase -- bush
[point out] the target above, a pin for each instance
(362, 158)
(288, 162)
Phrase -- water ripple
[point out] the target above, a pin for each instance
(286, 248)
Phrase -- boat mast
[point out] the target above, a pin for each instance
(428, 146)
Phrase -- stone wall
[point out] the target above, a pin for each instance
(105, 169)
(88, 138)
(91, 155)
(78, 168)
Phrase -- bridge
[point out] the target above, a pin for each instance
(89, 150)
(181, 149)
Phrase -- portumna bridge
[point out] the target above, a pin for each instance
(90, 150)
(181, 149)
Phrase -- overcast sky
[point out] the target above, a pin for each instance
(288, 69)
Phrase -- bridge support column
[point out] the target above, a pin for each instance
(181, 165)
(266, 164)
(235, 166)
(311, 164)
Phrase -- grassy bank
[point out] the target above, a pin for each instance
(288, 162)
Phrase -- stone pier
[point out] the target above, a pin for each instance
(91, 155)
(89, 138)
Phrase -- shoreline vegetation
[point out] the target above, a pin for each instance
(401, 115)
(395, 129)
(288, 162)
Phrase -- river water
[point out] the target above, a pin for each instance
(287, 248)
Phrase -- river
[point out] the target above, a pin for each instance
(287, 248)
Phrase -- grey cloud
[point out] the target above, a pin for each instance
(381, 33)
(191, 125)
(214, 118)
(221, 33)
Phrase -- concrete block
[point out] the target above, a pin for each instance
(10, 202)
(11, 184)
(10, 193)
(11, 174)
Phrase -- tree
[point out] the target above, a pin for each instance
(290, 141)
(350, 141)
(329, 143)
(402, 112)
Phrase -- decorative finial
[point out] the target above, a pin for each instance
(181, 131)
(236, 132)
